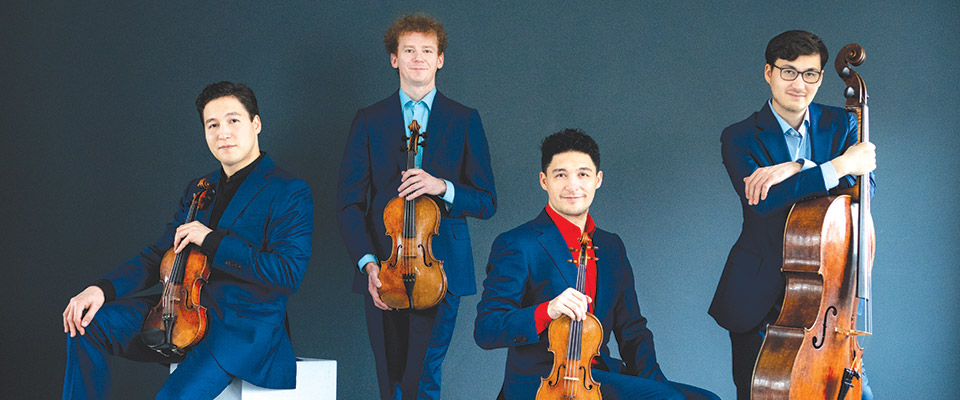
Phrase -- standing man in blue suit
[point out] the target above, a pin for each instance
(257, 236)
(790, 150)
(530, 282)
(453, 166)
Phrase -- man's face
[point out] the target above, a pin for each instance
(417, 59)
(793, 96)
(571, 181)
(231, 135)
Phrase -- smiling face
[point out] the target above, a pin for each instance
(231, 134)
(791, 98)
(571, 180)
(417, 59)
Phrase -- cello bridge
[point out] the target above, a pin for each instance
(851, 332)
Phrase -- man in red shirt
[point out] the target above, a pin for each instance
(530, 282)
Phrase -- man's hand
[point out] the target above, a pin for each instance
(762, 179)
(570, 303)
(859, 159)
(74, 320)
(416, 182)
(373, 283)
(193, 232)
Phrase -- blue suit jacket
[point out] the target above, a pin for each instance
(752, 281)
(528, 266)
(259, 263)
(456, 150)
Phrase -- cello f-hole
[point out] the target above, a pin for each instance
(823, 337)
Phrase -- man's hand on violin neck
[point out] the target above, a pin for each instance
(373, 283)
(74, 320)
(193, 232)
(570, 303)
(417, 182)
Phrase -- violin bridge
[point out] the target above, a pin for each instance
(571, 378)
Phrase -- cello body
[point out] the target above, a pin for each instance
(806, 352)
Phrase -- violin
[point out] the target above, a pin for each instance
(574, 344)
(812, 351)
(412, 277)
(178, 321)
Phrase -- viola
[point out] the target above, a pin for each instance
(412, 277)
(178, 321)
(574, 344)
(812, 350)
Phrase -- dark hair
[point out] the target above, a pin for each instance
(421, 23)
(217, 90)
(792, 44)
(568, 140)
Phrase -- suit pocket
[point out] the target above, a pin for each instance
(460, 231)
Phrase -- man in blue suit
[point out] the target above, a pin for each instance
(453, 167)
(530, 282)
(790, 150)
(257, 238)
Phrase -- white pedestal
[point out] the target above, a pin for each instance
(316, 380)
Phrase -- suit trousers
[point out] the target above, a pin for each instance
(746, 348)
(614, 386)
(409, 347)
(114, 331)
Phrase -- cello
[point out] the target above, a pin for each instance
(573, 344)
(812, 350)
(412, 277)
(178, 321)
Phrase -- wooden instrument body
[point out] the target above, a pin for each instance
(412, 255)
(558, 384)
(190, 325)
(805, 352)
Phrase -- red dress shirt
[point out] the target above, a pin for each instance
(571, 235)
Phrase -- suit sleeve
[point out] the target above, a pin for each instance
(501, 318)
(143, 270)
(741, 162)
(474, 188)
(630, 328)
(280, 262)
(353, 191)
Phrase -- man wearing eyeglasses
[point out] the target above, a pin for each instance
(790, 150)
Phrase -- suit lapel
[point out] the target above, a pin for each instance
(820, 136)
(605, 275)
(249, 189)
(770, 135)
(554, 245)
(394, 133)
(437, 126)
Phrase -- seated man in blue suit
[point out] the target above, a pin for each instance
(257, 238)
(790, 150)
(530, 282)
(453, 166)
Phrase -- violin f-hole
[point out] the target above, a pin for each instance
(426, 260)
(823, 337)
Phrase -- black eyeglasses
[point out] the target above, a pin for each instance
(790, 74)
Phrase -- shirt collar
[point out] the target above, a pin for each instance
(426, 100)
(240, 175)
(804, 127)
(569, 231)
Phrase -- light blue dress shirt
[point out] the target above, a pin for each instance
(420, 111)
(798, 144)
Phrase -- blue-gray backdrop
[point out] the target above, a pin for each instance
(100, 134)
